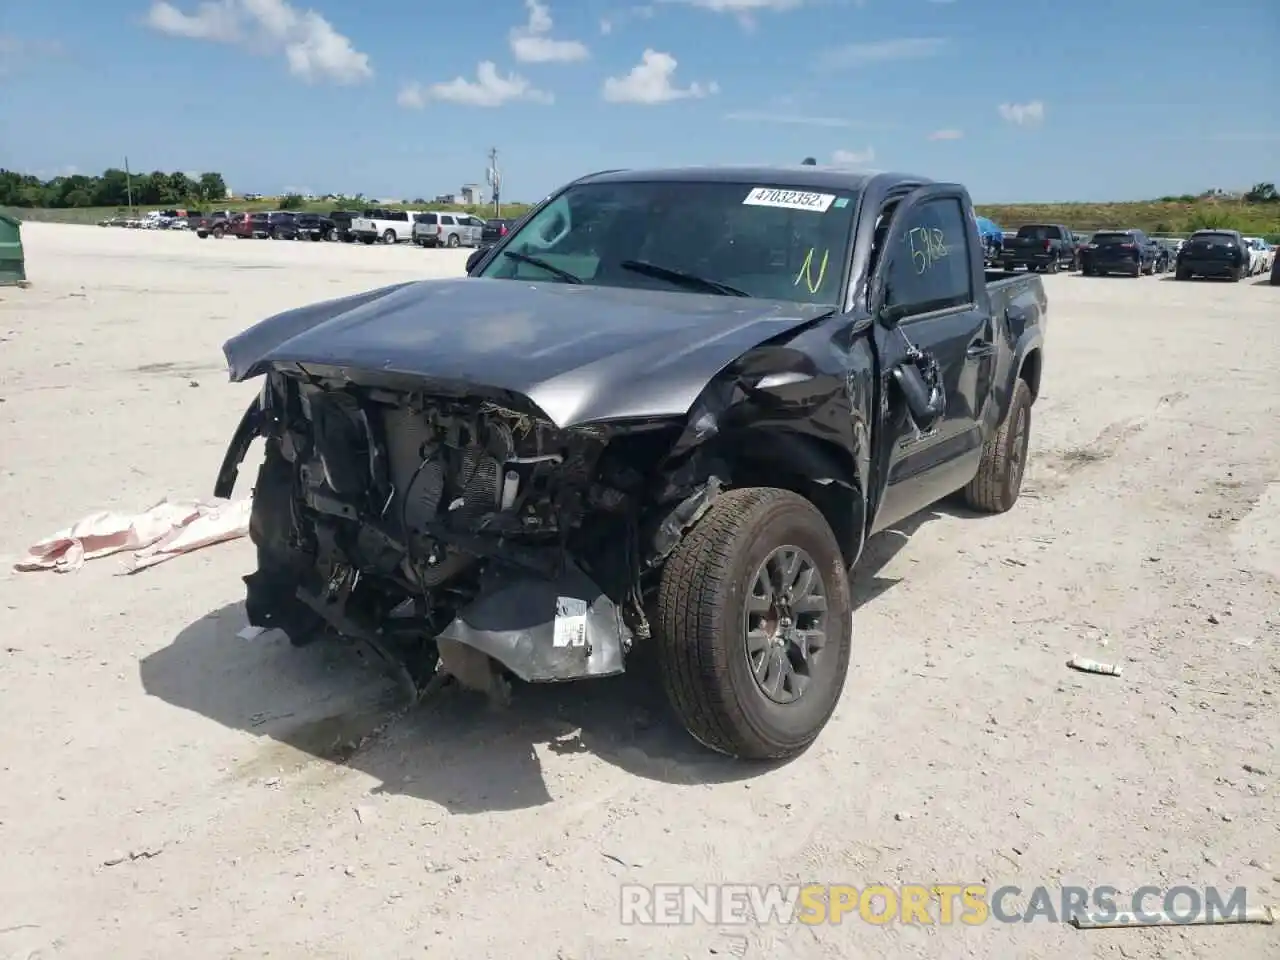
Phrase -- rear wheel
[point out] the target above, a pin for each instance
(998, 482)
(389, 237)
(1052, 267)
(453, 241)
(754, 629)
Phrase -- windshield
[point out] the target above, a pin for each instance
(763, 241)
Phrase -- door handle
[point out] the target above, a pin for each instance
(981, 348)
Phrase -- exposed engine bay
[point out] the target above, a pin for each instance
(458, 528)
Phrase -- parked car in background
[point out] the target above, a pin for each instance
(436, 228)
(1119, 251)
(342, 223)
(211, 224)
(1260, 256)
(307, 226)
(1040, 246)
(282, 224)
(992, 237)
(387, 226)
(1213, 253)
(1167, 253)
(495, 229)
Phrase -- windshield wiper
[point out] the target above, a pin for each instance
(691, 280)
(551, 268)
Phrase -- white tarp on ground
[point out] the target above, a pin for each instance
(170, 528)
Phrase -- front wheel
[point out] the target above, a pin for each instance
(330, 235)
(753, 625)
(1182, 274)
(995, 487)
(367, 241)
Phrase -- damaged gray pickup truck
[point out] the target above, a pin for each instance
(666, 411)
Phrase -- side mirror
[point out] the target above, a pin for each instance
(476, 256)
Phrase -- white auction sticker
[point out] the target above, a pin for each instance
(571, 623)
(788, 199)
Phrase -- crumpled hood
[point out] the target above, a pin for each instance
(580, 353)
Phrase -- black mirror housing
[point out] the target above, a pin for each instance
(476, 256)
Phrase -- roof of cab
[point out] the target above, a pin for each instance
(818, 178)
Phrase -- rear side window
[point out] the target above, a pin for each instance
(1039, 232)
(427, 218)
(931, 270)
(447, 220)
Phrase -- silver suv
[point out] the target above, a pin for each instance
(439, 229)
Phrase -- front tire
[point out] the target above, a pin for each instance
(995, 487)
(754, 629)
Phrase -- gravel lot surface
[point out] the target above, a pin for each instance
(170, 790)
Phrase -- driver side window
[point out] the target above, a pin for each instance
(929, 269)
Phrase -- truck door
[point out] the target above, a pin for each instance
(928, 291)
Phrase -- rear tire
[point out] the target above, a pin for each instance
(705, 608)
(1182, 274)
(389, 237)
(995, 487)
(453, 241)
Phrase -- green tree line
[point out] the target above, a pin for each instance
(111, 189)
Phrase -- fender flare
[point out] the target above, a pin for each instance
(249, 428)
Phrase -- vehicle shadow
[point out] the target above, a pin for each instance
(866, 580)
(1265, 282)
(331, 701)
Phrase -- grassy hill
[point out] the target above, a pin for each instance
(1157, 216)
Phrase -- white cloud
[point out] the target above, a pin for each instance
(946, 134)
(1023, 114)
(531, 42)
(744, 10)
(882, 51)
(761, 116)
(489, 89)
(649, 81)
(739, 7)
(313, 49)
(853, 158)
(620, 17)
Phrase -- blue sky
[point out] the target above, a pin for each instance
(1028, 100)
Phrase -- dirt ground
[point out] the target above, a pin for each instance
(137, 725)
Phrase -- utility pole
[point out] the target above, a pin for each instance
(128, 186)
(494, 178)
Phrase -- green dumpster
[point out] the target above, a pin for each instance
(12, 263)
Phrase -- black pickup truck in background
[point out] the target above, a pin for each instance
(696, 478)
(342, 223)
(1048, 247)
(308, 226)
